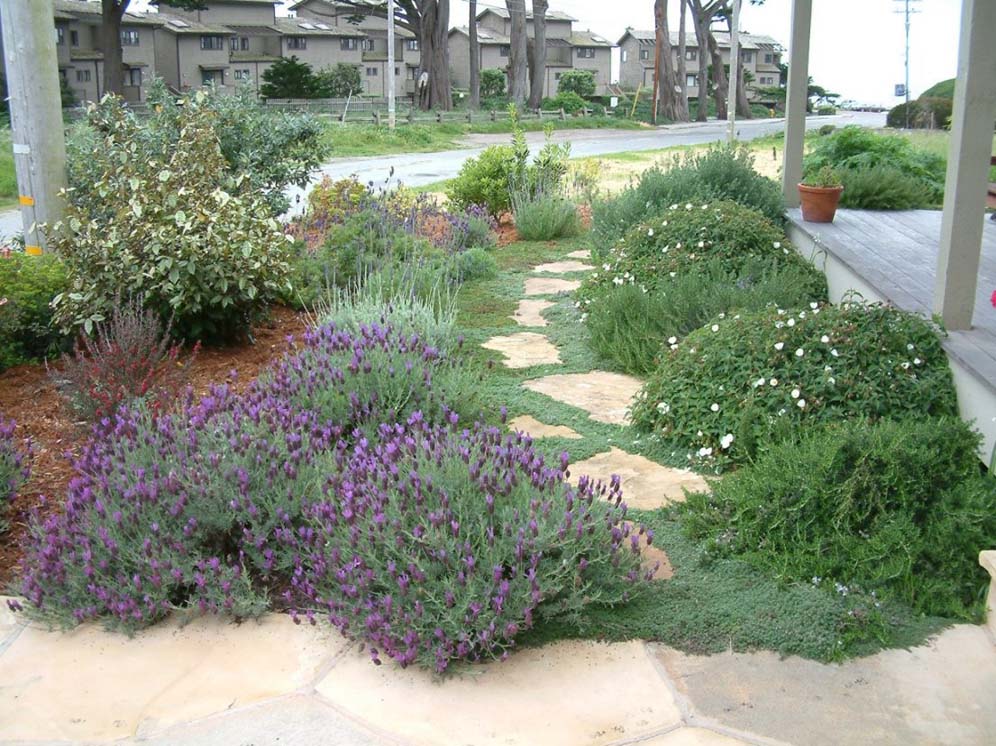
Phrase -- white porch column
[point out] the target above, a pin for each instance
(796, 100)
(968, 166)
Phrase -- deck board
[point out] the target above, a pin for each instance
(896, 253)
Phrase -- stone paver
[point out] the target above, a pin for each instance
(653, 558)
(549, 286)
(560, 268)
(575, 693)
(536, 429)
(646, 485)
(605, 396)
(692, 737)
(524, 350)
(111, 686)
(940, 693)
(291, 721)
(530, 312)
(580, 254)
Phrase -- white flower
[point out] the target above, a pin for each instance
(703, 452)
(800, 352)
(714, 407)
(664, 224)
(617, 281)
(606, 267)
(909, 347)
(726, 441)
(790, 322)
(689, 206)
(802, 314)
(825, 339)
(674, 347)
(673, 274)
(779, 346)
(779, 324)
(663, 407)
(917, 361)
(781, 412)
(801, 404)
(834, 353)
(701, 244)
(831, 380)
(781, 311)
(814, 305)
(777, 244)
(672, 340)
(759, 382)
(722, 315)
(773, 382)
(715, 327)
(650, 232)
(905, 366)
(796, 393)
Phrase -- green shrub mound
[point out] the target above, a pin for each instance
(631, 327)
(925, 113)
(894, 508)
(857, 148)
(718, 173)
(484, 181)
(27, 286)
(569, 101)
(882, 188)
(735, 386)
(683, 237)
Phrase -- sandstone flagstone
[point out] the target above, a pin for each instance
(524, 350)
(646, 485)
(549, 286)
(605, 396)
(693, 737)
(938, 693)
(536, 429)
(572, 693)
(92, 685)
(563, 267)
(580, 254)
(530, 312)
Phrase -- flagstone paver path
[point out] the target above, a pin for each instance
(605, 396)
(646, 485)
(580, 254)
(524, 349)
(536, 429)
(549, 286)
(559, 268)
(530, 312)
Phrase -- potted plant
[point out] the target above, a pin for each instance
(819, 193)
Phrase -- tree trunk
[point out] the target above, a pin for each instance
(720, 84)
(434, 23)
(682, 62)
(667, 84)
(743, 105)
(518, 52)
(110, 41)
(538, 77)
(475, 58)
(701, 24)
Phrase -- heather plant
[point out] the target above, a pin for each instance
(718, 173)
(738, 384)
(15, 466)
(27, 286)
(882, 188)
(127, 358)
(633, 327)
(172, 229)
(686, 237)
(438, 544)
(895, 509)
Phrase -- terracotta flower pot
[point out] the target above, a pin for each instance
(819, 204)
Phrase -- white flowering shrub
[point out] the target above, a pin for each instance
(734, 386)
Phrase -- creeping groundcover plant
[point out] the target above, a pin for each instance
(339, 486)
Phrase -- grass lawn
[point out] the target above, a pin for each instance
(8, 180)
(710, 604)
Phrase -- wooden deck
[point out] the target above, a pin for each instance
(892, 256)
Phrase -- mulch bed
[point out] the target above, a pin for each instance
(28, 396)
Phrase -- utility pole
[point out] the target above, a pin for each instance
(907, 10)
(35, 114)
(734, 82)
(391, 110)
(658, 39)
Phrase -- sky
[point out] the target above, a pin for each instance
(857, 46)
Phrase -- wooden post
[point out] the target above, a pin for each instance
(411, 115)
(439, 117)
(376, 117)
(734, 78)
(470, 116)
(494, 115)
(796, 99)
(563, 114)
(35, 115)
(968, 166)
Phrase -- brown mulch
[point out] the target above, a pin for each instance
(28, 396)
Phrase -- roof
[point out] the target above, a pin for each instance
(588, 39)
(68, 10)
(243, 30)
(177, 25)
(485, 36)
(551, 15)
(747, 41)
(312, 27)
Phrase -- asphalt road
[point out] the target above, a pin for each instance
(416, 169)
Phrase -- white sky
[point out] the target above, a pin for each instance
(856, 48)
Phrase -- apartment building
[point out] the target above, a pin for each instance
(566, 49)
(760, 56)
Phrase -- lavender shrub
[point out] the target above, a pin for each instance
(14, 466)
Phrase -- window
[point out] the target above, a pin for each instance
(748, 55)
(369, 45)
(556, 76)
(691, 81)
(586, 53)
(691, 54)
(129, 37)
(644, 54)
(297, 42)
(212, 42)
(60, 35)
(769, 58)
(625, 55)
(371, 72)
(242, 74)
(213, 77)
(239, 42)
(74, 38)
(504, 50)
(411, 45)
(82, 76)
(397, 71)
(133, 77)
(348, 44)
